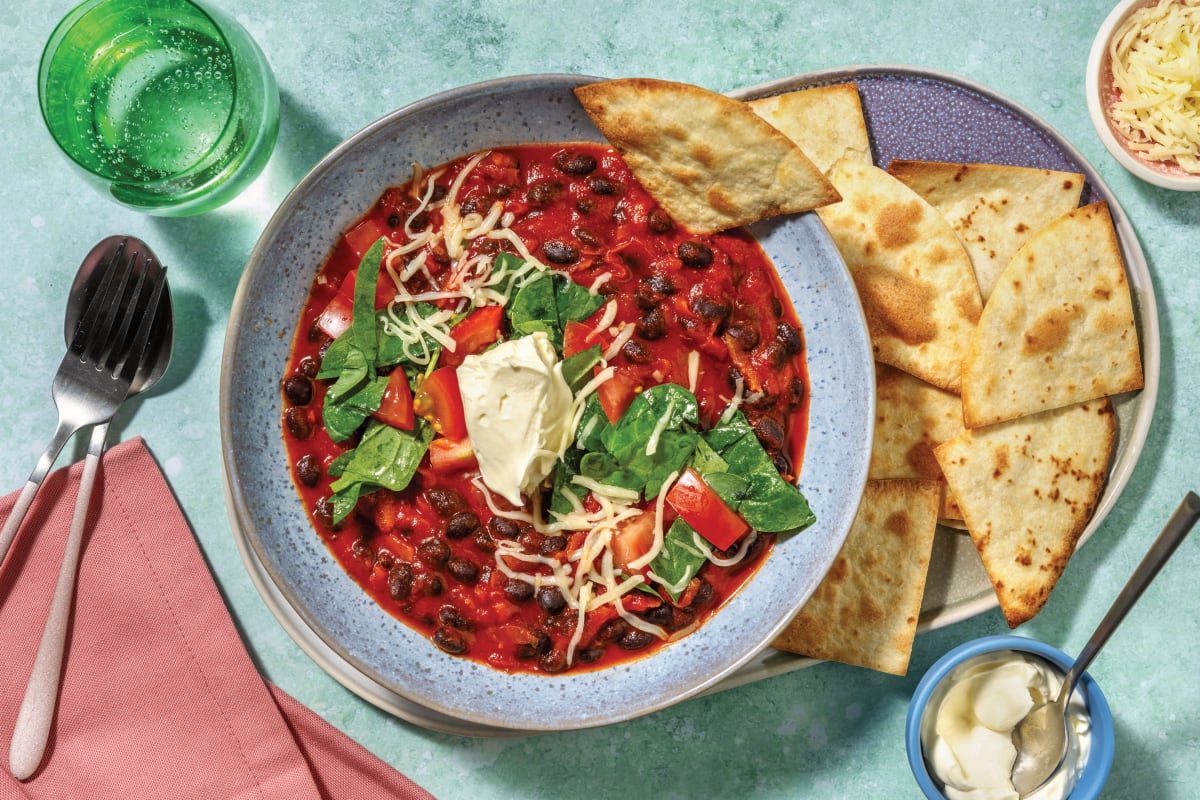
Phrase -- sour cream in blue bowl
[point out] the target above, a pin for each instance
(959, 727)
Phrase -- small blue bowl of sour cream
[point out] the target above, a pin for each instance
(958, 731)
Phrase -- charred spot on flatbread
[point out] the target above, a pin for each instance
(913, 276)
(709, 160)
(1027, 489)
(1058, 328)
(865, 611)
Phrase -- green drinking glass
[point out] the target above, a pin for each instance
(167, 106)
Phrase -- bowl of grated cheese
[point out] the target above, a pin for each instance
(1142, 79)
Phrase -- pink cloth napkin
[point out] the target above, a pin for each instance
(159, 697)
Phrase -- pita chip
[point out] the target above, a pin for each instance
(709, 160)
(1058, 328)
(911, 419)
(993, 208)
(865, 610)
(826, 121)
(913, 276)
(1027, 489)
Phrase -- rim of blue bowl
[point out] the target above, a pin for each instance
(1100, 758)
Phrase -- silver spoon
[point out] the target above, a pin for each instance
(32, 727)
(1041, 737)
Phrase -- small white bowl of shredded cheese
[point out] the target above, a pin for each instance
(1143, 90)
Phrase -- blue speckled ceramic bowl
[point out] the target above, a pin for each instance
(1095, 771)
(267, 513)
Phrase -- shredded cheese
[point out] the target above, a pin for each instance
(1155, 57)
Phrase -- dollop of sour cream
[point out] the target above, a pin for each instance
(968, 746)
(518, 412)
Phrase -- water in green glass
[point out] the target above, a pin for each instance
(146, 96)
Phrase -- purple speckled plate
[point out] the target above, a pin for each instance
(924, 114)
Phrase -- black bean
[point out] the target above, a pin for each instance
(473, 205)
(420, 222)
(385, 559)
(544, 192)
(574, 163)
(680, 619)
(315, 334)
(611, 631)
(449, 615)
(590, 655)
(558, 252)
(539, 644)
(745, 334)
(636, 352)
(439, 193)
(554, 661)
(462, 525)
(790, 338)
(796, 392)
(635, 639)
(693, 254)
(770, 432)
(400, 580)
(484, 541)
(309, 367)
(434, 552)
(781, 462)
(463, 570)
(450, 641)
(552, 544)
(362, 550)
(660, 221)
(307, 470)
(601, 186)
(652, 325)
(323, 513)
(551, 601)
(709, 309)
(446, 502)
(431, 585)
(657, 615)
(518, 590)
(587, 237)
(504, 528)
(584, 205)
(530, 540)
(298, 422)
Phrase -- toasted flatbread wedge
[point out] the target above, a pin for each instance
(1058, 328)
(1027, 489)
(993, 208)
(912, 274)
(826, 121)
(865, 610)
(911, 419)
(709, 160)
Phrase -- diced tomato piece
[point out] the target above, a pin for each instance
(616, 394)
(575, 338)
(451, 455)
(439, 401)
(335, 319)
(640, 601)
(385, 290)
(363, 235)
(396, 408)
(704, 510)
(633, 539)
(475, 332)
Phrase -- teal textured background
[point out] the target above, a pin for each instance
(829, 731)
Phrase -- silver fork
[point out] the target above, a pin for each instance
(95, 374)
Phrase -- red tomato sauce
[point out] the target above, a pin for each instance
(716, 295)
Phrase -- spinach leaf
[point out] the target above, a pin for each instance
(548, 303)
(358, 390)
(386, 457)
(663, 415)
(577, 369)
(680, 558)
(592, 425)
(566, 469)
(762, 497)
